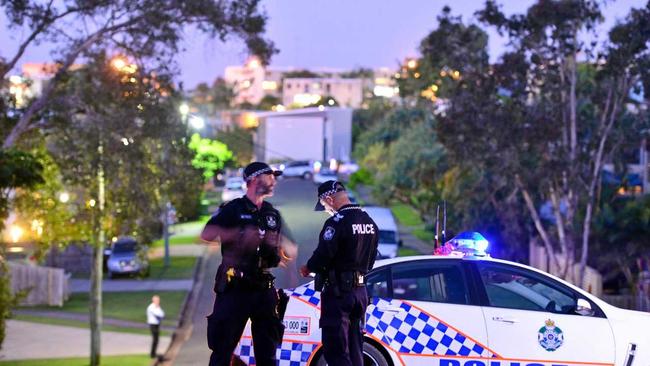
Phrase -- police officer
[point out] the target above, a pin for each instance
(346, 252)
(248, 229)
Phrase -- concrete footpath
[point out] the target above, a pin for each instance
(79, 285)
(38, 341)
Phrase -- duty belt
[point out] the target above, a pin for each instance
(259, 279)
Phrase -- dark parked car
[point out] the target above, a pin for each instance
(127, 257)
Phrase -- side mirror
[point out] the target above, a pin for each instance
(108, 252)
(583, 307)
(400, 243)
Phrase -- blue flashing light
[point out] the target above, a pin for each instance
(469, 243)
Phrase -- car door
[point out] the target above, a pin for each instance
(423, 309)
(531, 316)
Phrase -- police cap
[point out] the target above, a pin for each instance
(327, 189)
(254, 169)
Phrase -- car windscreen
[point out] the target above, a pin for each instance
(124, 247)
(387, 237)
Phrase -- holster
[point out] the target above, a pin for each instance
(332, 283)
(319, 282)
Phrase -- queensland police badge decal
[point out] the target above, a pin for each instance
(329, 233)
(270, 222)
(550, 337)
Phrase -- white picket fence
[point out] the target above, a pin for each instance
(44, 285)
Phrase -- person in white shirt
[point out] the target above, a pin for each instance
(155, 315)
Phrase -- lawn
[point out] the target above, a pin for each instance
(180, 268)
(405, 252)
(406, 215)
(177, 240)
(424, 235)
(131, 360)
(126, 305)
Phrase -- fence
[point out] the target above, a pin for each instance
(45, 285)
(539, 259)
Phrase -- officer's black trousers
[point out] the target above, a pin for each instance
(232, 309)
(341, 322)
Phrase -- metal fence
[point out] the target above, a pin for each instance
(44, 285)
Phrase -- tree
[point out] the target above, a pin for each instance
(211, 155)
(540, 124)
(18, 170)
(240, 142)
(149, 31)
(121, 148)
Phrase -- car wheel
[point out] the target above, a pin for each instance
(371, 357)
(307, 176)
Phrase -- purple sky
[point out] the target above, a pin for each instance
(339, 34)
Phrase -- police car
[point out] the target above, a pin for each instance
(463, 308)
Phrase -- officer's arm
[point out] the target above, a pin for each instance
(373, 250)
(326, 249)
(222, 227)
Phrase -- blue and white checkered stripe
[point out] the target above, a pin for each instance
(289, 353)
(307, 293)
(416, 332)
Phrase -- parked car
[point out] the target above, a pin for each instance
(389, 240)
(127, 257)
(464, 309)
(235, 187)
(325, 174)
(300, 168)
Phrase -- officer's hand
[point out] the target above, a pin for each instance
(304, 271)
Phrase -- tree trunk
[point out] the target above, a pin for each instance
(595, 177)
(538, 222)
(97, 271)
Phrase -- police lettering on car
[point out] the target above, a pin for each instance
(248, 229)
(346, 251)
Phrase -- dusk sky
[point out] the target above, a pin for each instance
(340, 34)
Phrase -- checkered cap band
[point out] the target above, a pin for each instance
(288, 354)
(256, 173)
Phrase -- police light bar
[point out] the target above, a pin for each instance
(465, 244)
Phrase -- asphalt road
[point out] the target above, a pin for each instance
(295, 198)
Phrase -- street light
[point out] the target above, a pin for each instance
(197, 122)
(184, 109)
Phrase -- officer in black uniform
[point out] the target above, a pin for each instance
(346, 252)
(248, 229)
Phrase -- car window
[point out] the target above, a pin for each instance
(435, 281)
(377, 284)
(387, 236)
(517, 289)
(124, 247)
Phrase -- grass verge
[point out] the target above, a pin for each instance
(405, 252)
(130, 360)
(177, 240)
(180, 268)
(126, 305)
(406, 215)
(424, 235)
